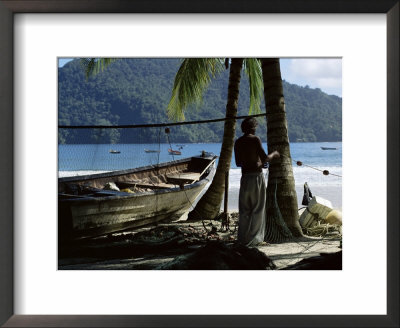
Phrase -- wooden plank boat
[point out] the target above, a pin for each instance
(95, 204)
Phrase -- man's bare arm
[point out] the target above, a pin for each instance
(273, 155)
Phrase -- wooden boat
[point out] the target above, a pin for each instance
(142, 196)
(151, 151)
(114, 151)
(174, 152)
(328, 148)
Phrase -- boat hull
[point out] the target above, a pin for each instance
(111, 211)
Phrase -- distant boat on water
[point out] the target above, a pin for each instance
(174, 152)
(114, 151)
(151, 151)
(328, 148)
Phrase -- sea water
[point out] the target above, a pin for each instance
(96, 158)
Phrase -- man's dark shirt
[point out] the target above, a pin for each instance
(249, 153)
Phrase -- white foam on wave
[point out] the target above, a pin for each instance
(301, 175)
(64, 174)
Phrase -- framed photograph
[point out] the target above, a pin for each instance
(35, 34)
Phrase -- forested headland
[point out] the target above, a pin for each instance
(137, 91)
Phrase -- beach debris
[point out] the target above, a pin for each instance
(307, 196)
(323, 229)
(319, 219)
(127, 190)
(334, 217)
(324, 261)
(316, 211)
(213, 231)
(170, 234)
(224, 217)
(111, 186)
(216, 255)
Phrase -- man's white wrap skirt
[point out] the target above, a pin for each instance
(252, 200)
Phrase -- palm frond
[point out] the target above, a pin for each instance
(93, 66)
(190, 82)
(252, 67)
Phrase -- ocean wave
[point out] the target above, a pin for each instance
(301, 175)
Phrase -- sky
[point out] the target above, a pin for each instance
(323, 73)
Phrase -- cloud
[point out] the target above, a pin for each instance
(323, 73)
(63, 61)
(316, 68)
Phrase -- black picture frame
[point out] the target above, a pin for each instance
(10, 7)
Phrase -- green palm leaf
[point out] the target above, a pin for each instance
(93, 66)
(191, 80)
(195, 74)
(253, 70)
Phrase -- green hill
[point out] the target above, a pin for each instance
(137, 91)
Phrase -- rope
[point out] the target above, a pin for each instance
(300, 163)
(325, 172)
(134, 126)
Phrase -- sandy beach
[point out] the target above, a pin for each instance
(175, 245)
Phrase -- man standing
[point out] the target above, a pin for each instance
(251, 157)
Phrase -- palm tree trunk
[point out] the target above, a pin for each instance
(280, 171)
(209, 205)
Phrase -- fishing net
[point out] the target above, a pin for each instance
(276, 229)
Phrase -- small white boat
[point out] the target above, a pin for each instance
(112, 151)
